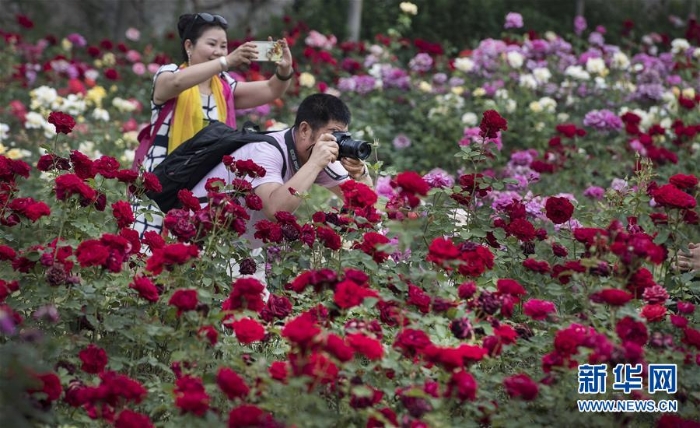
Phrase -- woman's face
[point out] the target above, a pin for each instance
(210, 45)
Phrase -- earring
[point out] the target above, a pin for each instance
(189, 57)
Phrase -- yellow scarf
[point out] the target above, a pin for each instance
(188, 118)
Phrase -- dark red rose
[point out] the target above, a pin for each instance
(63, 122)
(628, 329)
(231, 384)
(94, 359)
(130, 419)
(684, 181)
(691, 337)
(246, 293)
(370, 348)
(521, 229)
(672, 197)
(184, 300)
(145, 287)
(510, 287)
(654, 313)
(539, 266)
(49, 384)
(301, 330)
(121, 210)
(411, 341)
(328, 237)
(521, 386)
(370, 241)
(248, 330)
(559, 210)
(190, 395)
(463, 385)
(491, 123)
(538, 309)
(210, 333)
(348, 294)
(248, 415)
(611, 296)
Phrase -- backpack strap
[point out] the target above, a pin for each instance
(146, 141)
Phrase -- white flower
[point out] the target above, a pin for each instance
(124, 106)
(596, 66)
(688, 93)
(515, 59)
(535, 107)
(92, 74)
(479, 92)
(4, 130)
(562, 117)
(100, 114)
(542, 74)
(307, 80)
(577, 72)
(424, 86)
(511, 105)
(679, 46)
(34, 120)
(18, 153)
(600, 83)
(470, 118)
(619, 61)
(501, 94)
(527, 81)
(408, 8)
(127, 157)
(43, 96)
(464, 64)
(548, 104)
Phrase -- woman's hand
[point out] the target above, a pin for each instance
(242, 55)
(285, 64)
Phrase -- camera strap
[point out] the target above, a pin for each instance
(292, 150)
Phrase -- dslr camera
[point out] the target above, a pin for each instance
(349, 148)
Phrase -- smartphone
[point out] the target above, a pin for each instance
(268, 51)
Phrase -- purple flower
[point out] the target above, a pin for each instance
(364, 84)
(579, 25)
(440, 78)
(439, 178)
(522, 157)
(421, 62)
(77, 39)
(384, 187)
(401, 141)
(594, 192)
(596, 39)
(513, 20)
(7, 325)
(619, 185)
(603, 120)
(346, 84)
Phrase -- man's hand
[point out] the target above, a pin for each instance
(689, 261)
(355, 167)
(324, 151)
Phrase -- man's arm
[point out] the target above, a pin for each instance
(277, 197)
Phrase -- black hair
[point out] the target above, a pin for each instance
(319, 109)
(194, 29)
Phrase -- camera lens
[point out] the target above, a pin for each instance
(364, 150)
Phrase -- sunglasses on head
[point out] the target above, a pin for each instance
(209, 19)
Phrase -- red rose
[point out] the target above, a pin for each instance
(337, 347)
(370, 241)
(184, 300)
(301, 330)
(67, 185)
(370, 348)
(63, 122)
(111, 74)
(107, 166)
(130, 419)
(491, 123)
(559, 210)
(521, 229)
(566, 129)
(7, 253)
(248, 415)
(210, 333)
(611, 296)
(411, 341)
(145, 287)
(628, 329)
(348, 294)
(441, 250)
(49, 384)
(246, 293)
(684, 181)
(276, 307)
(231, 384)
(94, 359)
(121, 210)
(672, 197)
(92, 253)
(463, 384)
(691, 337)
(328, 237)
(510, 286)
(151, 182)
(539, 266)
(279, 370)
(190, 395)
(248, 330)
(521, 386)
(538, 309)
(654, 313)
(411, 182)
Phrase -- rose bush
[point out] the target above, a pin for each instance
(461, 296)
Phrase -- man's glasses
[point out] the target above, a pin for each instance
(209, 19)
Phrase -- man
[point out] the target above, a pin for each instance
(310, 155)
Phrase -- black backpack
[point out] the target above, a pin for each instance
(188, 164)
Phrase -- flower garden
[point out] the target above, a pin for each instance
(532, 192)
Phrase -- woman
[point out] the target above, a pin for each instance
(200, 90)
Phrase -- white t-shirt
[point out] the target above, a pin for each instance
(269, 157)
